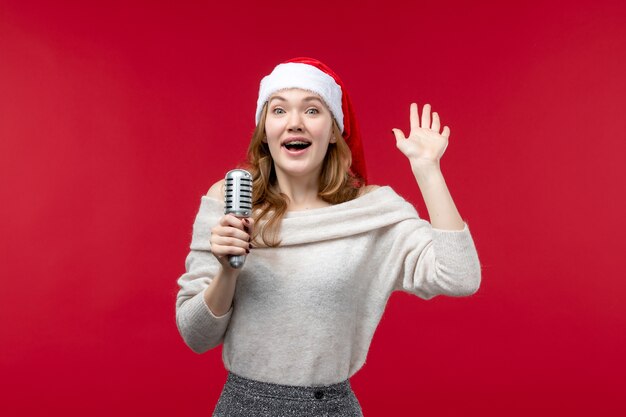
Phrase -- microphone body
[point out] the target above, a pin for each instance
(238, 201)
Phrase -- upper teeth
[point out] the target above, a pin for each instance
(297, 142)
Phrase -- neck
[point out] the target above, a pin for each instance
(302, 191)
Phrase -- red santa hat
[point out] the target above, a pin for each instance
(311, 74)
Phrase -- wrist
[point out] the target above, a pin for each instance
(425, 170)
(229, 273)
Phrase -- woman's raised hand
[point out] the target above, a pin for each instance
(231, 236)
(425, 145)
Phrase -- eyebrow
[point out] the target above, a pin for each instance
(309, 98)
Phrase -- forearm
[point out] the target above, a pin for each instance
(218, 296)
(441, 208)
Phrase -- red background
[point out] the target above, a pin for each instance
(116, 117)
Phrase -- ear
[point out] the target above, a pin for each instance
(264, 140)
(333, 139)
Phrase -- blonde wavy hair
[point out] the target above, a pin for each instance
(337, 184)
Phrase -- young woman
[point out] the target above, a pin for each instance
(324, 251)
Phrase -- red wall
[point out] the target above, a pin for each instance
(115, 118)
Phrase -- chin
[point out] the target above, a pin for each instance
(301, 171)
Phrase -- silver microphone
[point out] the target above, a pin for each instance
(238, 201)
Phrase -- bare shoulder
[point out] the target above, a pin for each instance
(367, 189)
(217, 190)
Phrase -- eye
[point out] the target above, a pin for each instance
(313, 109)
(276, 110)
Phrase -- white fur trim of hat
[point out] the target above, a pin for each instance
(306, 77)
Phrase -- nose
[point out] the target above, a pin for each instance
(295, 122)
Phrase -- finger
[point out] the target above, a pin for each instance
(229, 231)
(398, 134)
(230, 220)
(426, 116)
(221, 250)
(230, 242)
(446, 132)
(436, 123)
(248, 224)
(414, 118)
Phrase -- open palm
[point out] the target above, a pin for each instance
(425, 145)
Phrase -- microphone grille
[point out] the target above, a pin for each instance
(238, 195)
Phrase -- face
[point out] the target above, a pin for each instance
(298, 129)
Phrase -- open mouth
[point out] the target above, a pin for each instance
(297, 145)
